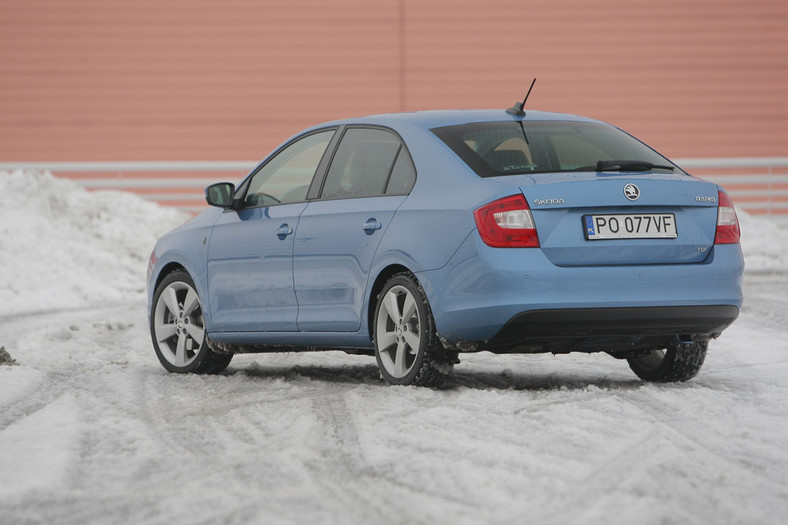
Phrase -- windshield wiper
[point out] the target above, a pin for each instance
(630, 165)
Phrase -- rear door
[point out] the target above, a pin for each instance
(338, 234)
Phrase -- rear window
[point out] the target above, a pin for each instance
(494, 149)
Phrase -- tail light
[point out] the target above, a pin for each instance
(507, 223)
(728, 231)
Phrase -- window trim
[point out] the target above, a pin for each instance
(316, 187)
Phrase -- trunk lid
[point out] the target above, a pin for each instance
(672, 219)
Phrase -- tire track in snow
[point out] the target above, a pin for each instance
(340, 470)
(690, 436)
(629, 470)
(45, 392)
(363, 493)
(49, 386)
(87, 374)
(260, 434)
(52, 434)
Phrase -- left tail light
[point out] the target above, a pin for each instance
(507, 223)
(728, 231)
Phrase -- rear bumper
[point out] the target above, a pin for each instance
(497, 299)
(580, 322)
(609, 329)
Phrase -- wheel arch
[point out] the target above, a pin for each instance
(176, 263)
(166, 270)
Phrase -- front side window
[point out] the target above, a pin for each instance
(286, 177)
(369, 162)
(508, 148)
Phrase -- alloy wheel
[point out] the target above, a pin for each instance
(398, 332)
(178, 324)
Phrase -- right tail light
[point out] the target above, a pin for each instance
(728, 231)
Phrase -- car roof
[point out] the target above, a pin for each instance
(438, 118)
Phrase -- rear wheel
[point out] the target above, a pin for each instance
(178, 331)
(407, 348)
(678, 362)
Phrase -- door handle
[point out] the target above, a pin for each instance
(284, 230)
(371, 225)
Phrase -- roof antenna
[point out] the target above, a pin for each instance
(517, 110)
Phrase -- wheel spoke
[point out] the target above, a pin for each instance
(399, 361)
(413, 341)
(191, 302)
(180, 351)
(196, 332)
(171, 300)
(165, 331)
(409, 308)
(386, 340)
(392, 307)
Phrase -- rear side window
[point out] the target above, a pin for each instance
(508, 148)
(369, 162)
(403, 175)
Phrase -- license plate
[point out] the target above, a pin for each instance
(630, 226)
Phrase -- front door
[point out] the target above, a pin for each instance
(250, 268)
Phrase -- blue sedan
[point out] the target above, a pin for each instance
(415, 237)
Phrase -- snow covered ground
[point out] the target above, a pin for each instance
(93, 430)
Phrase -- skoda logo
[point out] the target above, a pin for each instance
(631, 192)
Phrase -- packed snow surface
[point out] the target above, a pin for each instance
(93, 430)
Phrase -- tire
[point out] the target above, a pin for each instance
(178, 331)
(679, 362)
(407, 348)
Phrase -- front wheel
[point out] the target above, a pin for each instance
(678, 362)
(178, 331)
(407, 348)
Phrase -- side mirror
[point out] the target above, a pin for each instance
(220, 194)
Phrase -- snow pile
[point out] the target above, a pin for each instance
(764, 243)
(62, 246)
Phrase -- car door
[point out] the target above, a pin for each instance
(250, 272)
(369, 177)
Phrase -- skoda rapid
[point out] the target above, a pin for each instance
(416, 237)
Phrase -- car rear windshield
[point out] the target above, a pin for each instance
(494, 149)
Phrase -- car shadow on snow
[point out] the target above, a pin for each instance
(461, 377)
(507, 379)
(347, 374)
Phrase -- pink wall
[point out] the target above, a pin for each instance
(230, 79)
